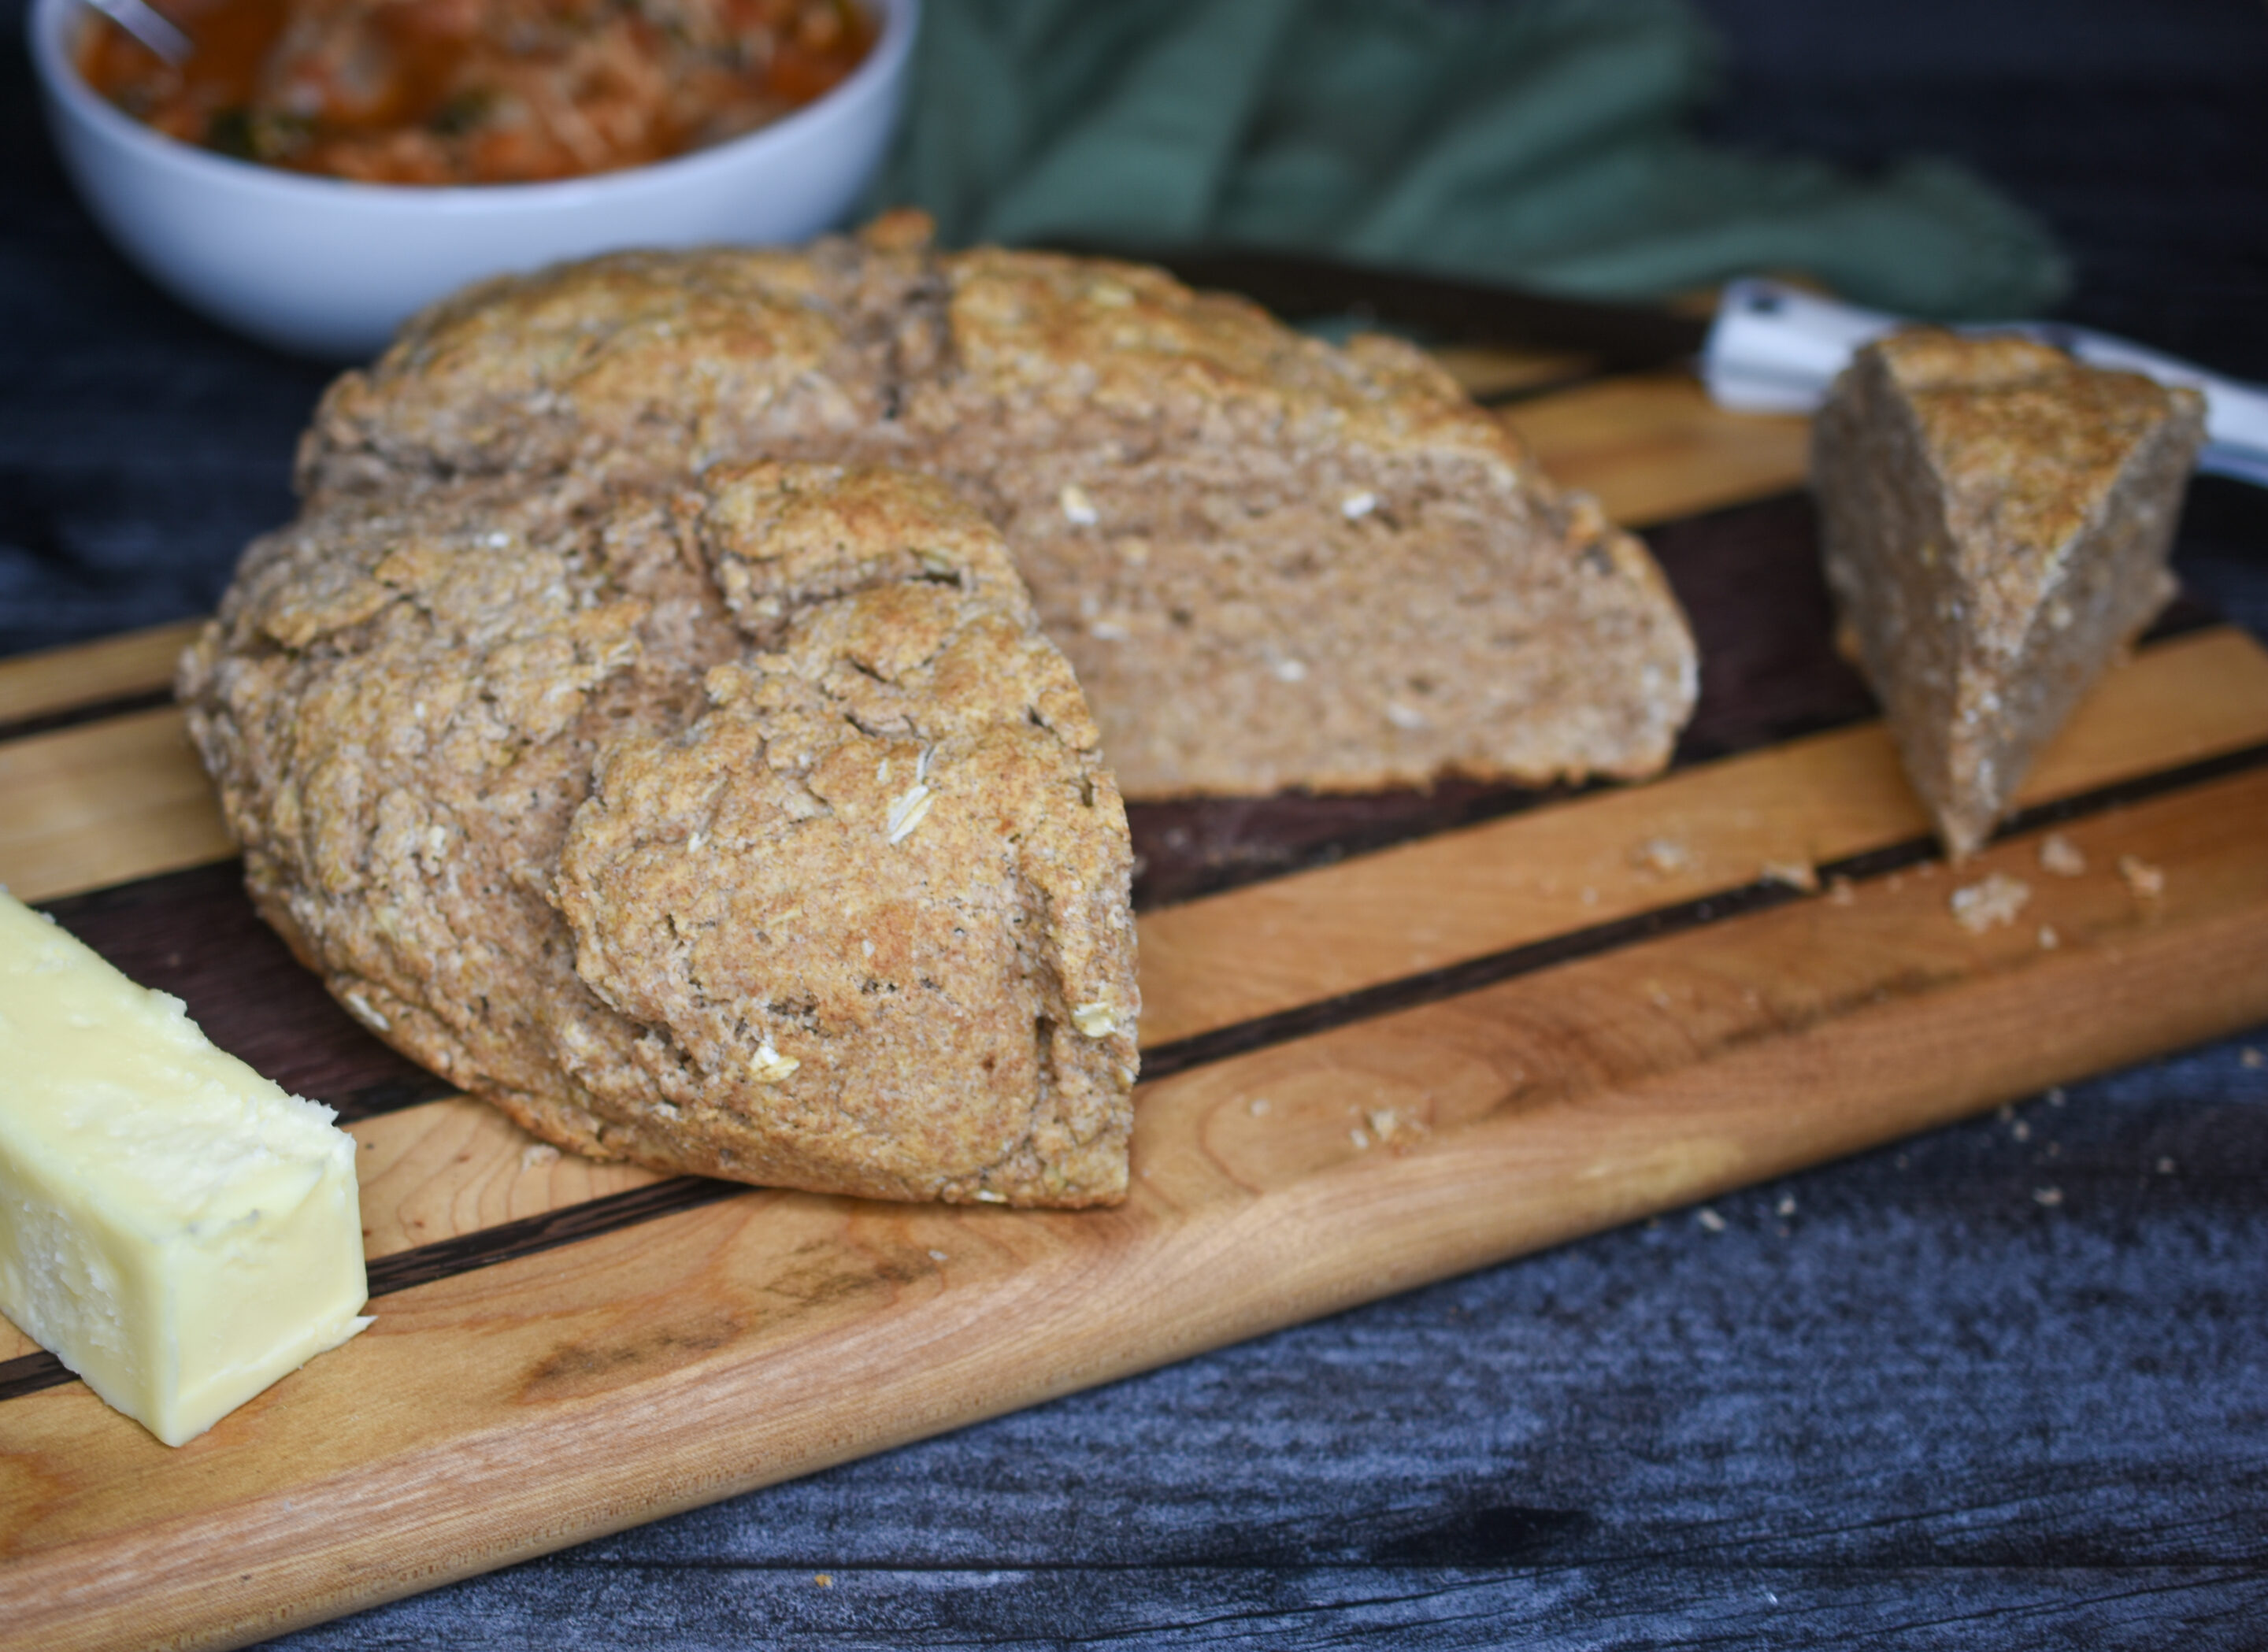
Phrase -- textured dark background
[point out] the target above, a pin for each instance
(1898, 1401)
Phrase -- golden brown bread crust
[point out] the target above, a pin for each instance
(639, 365)
(757, 833)
(1273, 563)
(1996, 519)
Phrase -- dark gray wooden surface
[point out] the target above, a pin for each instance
(2004, 1386)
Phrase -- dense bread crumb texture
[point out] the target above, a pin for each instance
(752, 828)
(1274, 564)
(1996, 519)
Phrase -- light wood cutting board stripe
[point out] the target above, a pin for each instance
(148, 700)
(1717, 905)
(85, 678)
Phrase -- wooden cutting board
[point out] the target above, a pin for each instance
(1402, 1038)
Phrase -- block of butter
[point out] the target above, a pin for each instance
(174, 1226)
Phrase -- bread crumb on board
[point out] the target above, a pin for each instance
(1989, 903)
(2060, 855)
(1078, 509)
(2143, 881)
(1795, 874)
(1664, 857)
(1392, 1125)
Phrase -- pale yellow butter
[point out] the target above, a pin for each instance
(174, 1226)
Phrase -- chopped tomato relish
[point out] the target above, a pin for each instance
(473, 92)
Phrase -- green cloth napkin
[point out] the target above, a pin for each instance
(1542, 144)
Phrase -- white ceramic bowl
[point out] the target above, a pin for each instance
(330, 268)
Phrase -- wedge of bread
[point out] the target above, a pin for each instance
(1996, 519)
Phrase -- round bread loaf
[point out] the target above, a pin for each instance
(644, 724)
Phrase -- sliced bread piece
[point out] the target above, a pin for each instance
(1995, 518)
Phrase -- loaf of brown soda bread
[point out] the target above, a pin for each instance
(647, 724)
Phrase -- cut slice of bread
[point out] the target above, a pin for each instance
(1995, 518)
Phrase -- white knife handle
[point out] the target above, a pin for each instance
(1776, 349)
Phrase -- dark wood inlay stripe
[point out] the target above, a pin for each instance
(194, 934)
(508, 1241)
(29, 1373)
(465, 1253)
(93, 711)
(1513, 395)
(392, 1095)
